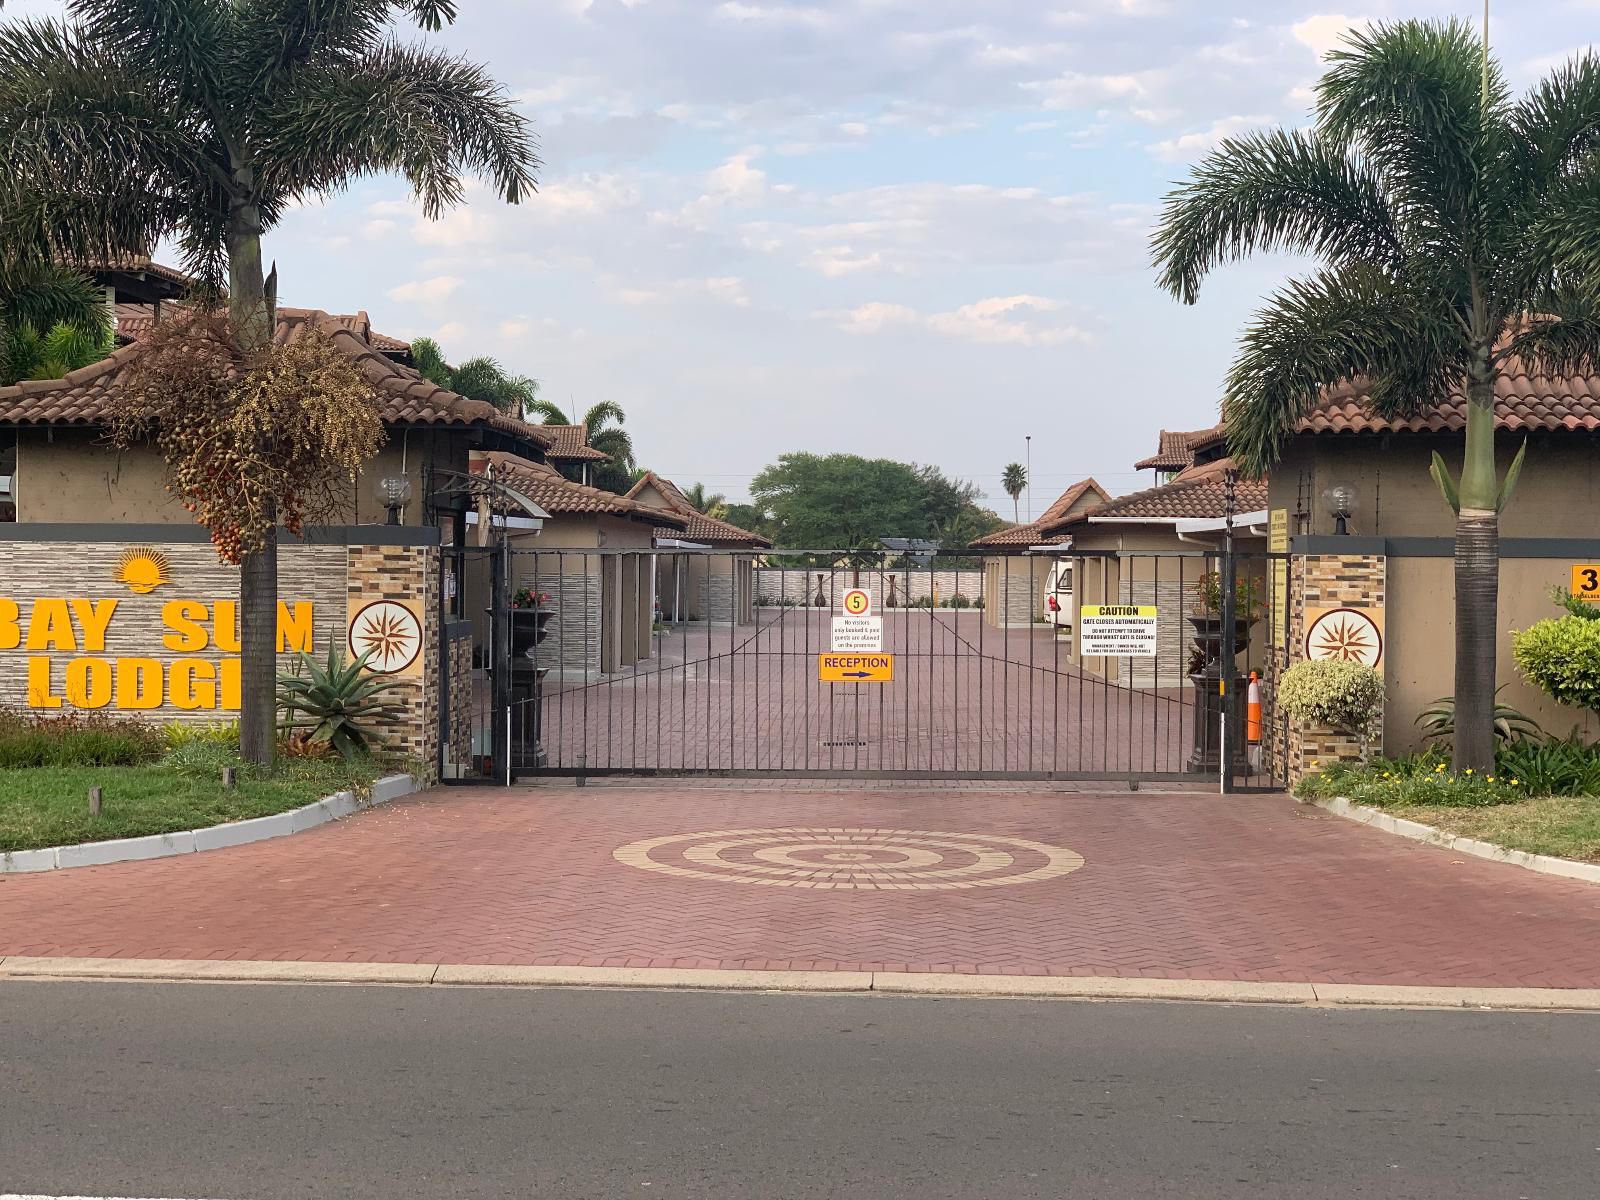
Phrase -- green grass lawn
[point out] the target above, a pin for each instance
(49, 806)
(1563, 826)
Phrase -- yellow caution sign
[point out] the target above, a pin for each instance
(855, 668)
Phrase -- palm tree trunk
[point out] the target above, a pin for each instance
(250, 313)
(1477, 586)
(1016, 513)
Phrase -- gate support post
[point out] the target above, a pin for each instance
(1229, 642)
(500, 662)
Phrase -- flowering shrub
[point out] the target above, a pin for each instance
(1342, 695)
(1408, 782)
(1561, 657)
(528, 598)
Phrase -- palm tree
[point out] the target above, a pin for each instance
(202, 121)
(713, 505)
(1449, 221)
(52, 320)
(1014, 479)
(480, 378)
(602, 434)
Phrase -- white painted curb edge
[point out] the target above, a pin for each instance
(904, 983)
(214, 837)
(1417, 832)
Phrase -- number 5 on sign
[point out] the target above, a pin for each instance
(1586, 581)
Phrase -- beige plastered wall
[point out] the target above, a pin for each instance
(73, 475)
(1419, 642)
(1014, 587)
(1108, 581)
(1557, 495)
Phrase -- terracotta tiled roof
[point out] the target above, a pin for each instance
(1524, 401)
(1032, 533)
(139, 264)
(571, 443)
(558, 495)
(698, 527)
(1199, 492)
(1177, 449)
(84, 397)
(135, 321)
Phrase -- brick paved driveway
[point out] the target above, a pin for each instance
(1253, 888)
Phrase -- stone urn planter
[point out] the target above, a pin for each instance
(1206, 679)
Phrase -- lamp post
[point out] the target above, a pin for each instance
(394, 493)
(1341, 501)
(1027, 470)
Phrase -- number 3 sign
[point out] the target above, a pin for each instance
(1586, 581)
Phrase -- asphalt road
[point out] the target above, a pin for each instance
(268, 1092)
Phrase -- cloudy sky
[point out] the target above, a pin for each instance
(910, 228)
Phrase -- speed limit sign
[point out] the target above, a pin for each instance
(858, 602)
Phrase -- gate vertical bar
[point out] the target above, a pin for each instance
(1229, 601)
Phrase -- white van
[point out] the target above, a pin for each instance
(1058, 595)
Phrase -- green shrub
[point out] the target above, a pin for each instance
(1561, 657)
(1341, 695)
(1559, 767)
(76, 740)
(338, 703)
(221, 733)
(1511, 725)
(1575, 604)
(1422, 780)
(203, 757)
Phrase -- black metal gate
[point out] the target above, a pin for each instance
(601, 661)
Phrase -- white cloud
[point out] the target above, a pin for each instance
(999, 320)
(773, 14)
(426, 291)
(1325, 31)
(1191, 145)
(724, 289)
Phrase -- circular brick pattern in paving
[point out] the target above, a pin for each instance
(844, 859)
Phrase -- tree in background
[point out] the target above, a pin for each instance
(844, 501)
(52, 319)
(481, 378)
(1459, 235)
(713, 505)
(603, 428)
(203, 122)
(1014, 479)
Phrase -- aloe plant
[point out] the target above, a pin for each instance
(1511, 726)
(337, 702)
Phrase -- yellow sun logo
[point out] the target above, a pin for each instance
(142, 569)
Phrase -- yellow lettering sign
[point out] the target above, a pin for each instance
(50, 628)
(10, 624)
(294, 627)
(193, 684)
(185, 618)
(39, 694)
(139, 683)
(94, 616)
(89, 683)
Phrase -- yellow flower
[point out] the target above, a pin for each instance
(1469, 770)
(1514, 782)
(1490, 778)
(1439, 768)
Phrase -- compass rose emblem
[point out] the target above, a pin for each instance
(389, 634)
(1345, 635)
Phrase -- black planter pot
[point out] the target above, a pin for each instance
(1206, 754)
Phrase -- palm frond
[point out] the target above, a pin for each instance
(548, 412)
(1408, 97)
(1561, 332)
(428, 116)
(1316, 332)
(275, 36)
(607, 410)
(43, 294)
(1282, 190)
(618, 446)
(1557, 124)
(182, 41)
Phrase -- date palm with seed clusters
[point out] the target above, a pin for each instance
(203, 122)
(1459, 232)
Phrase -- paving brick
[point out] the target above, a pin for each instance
(1259, 889)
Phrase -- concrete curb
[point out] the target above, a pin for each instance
(214, 837)
(894, 983)
(1416, 831)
